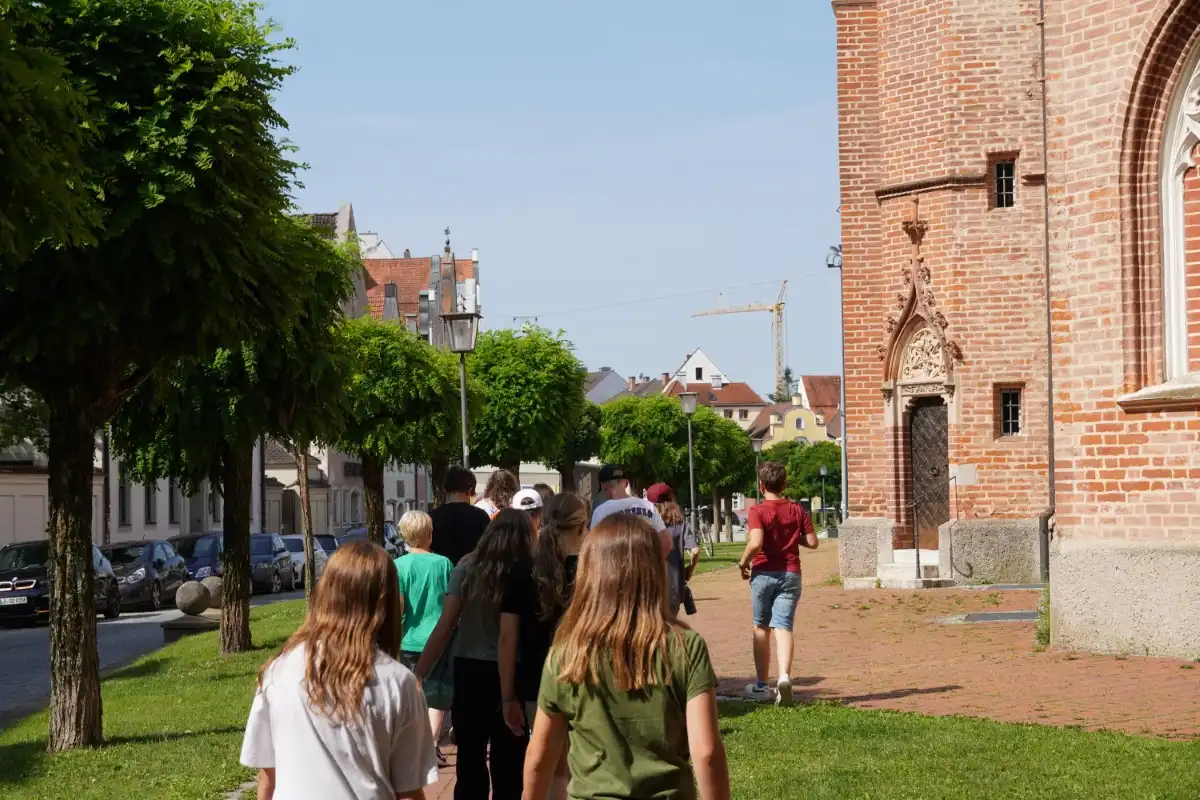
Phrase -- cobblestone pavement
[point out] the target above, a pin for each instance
(25, 653)
(889, 649)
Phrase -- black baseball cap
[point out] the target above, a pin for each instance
(611, 472)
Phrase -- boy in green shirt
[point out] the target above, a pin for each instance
(424, 577)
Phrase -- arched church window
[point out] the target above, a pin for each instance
(1180, 197)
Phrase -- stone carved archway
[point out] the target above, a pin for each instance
(918, 357)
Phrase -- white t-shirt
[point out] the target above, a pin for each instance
(629, 505)
(388, 751)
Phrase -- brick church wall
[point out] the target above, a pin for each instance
(929, 92)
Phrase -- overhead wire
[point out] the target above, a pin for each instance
(641, 300)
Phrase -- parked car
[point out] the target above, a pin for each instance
(295, 546)
(391, 538)
(25, 583)
(148, 573)
(328, 543)
(203, 553)
(271, 563)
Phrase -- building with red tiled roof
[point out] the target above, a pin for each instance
(414, 290)
(736, 401)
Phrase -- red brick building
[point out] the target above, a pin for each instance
(1022, 302)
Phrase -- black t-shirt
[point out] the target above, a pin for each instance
(457, 528)
(533, 645)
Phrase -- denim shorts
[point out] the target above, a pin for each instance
(773, 597)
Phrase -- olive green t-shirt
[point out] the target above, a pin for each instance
(631, 744)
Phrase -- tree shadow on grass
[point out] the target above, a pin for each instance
(23, 760)
(145, 669)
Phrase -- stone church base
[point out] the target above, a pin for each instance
(983, 551)
(860, 544)
(1118, 596)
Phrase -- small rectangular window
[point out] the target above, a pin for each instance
(151, 495)
(123, 496)
(1005, 171)
(743, 413)
(699, 373)
(1010, 412)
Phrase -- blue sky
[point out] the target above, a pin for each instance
(598, 154)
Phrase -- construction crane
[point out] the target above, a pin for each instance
(775, 308)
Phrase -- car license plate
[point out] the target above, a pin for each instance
(13, 601)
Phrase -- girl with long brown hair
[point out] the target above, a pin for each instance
(472, 607)
(634, 687)
(335, 714)
(498, 494)
(538, 592)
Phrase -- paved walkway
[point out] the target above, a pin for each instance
(888, 649)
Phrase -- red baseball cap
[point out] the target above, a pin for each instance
(660, 493)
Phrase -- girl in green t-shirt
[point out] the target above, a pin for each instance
(633, 686)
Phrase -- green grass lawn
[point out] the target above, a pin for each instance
(173, 721)
(174, 725)
(826, 751)
(725, 554)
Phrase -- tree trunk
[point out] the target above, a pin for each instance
(306, 520)
(716, 515)
(76, 711)
(372, 472)
(729, 514)
(237, 464)
(567, 477)
(437, 480)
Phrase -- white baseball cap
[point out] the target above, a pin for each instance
(527, 500)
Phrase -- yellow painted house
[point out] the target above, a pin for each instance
(793, 422)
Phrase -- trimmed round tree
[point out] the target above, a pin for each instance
(191, 180)
(201, 420)
(397, 381)
(534, 387)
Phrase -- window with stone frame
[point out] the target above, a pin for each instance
(1002, 174)
(1010, 410)
(1180, 208)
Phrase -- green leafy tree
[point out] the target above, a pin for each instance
(724, 459)
(201, 420)
(534, 387)
(191, 182)
(397, 381)
(647, 436)
(44, 123)
(783, 391)
(582, 444)
(435, 440)
(22, 417)
(804, 462)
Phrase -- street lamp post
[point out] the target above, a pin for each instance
(834, 261)
(462, 329)
(757, 444)
(687, 401)
(824, 511)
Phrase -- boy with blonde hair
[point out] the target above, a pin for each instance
(424, 577)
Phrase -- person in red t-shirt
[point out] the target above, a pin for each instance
(771, 562)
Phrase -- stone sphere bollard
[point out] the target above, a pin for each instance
(215, 590)
(192, 598)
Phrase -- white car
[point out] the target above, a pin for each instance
(295, 546)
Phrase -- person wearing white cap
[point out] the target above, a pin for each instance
(530, 501)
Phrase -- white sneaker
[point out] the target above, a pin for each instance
(758, 693)
(783, 694)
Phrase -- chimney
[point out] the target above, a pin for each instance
(631, 382)
(666, 378)
(407, 253)
(797, 400)
(606, 369)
